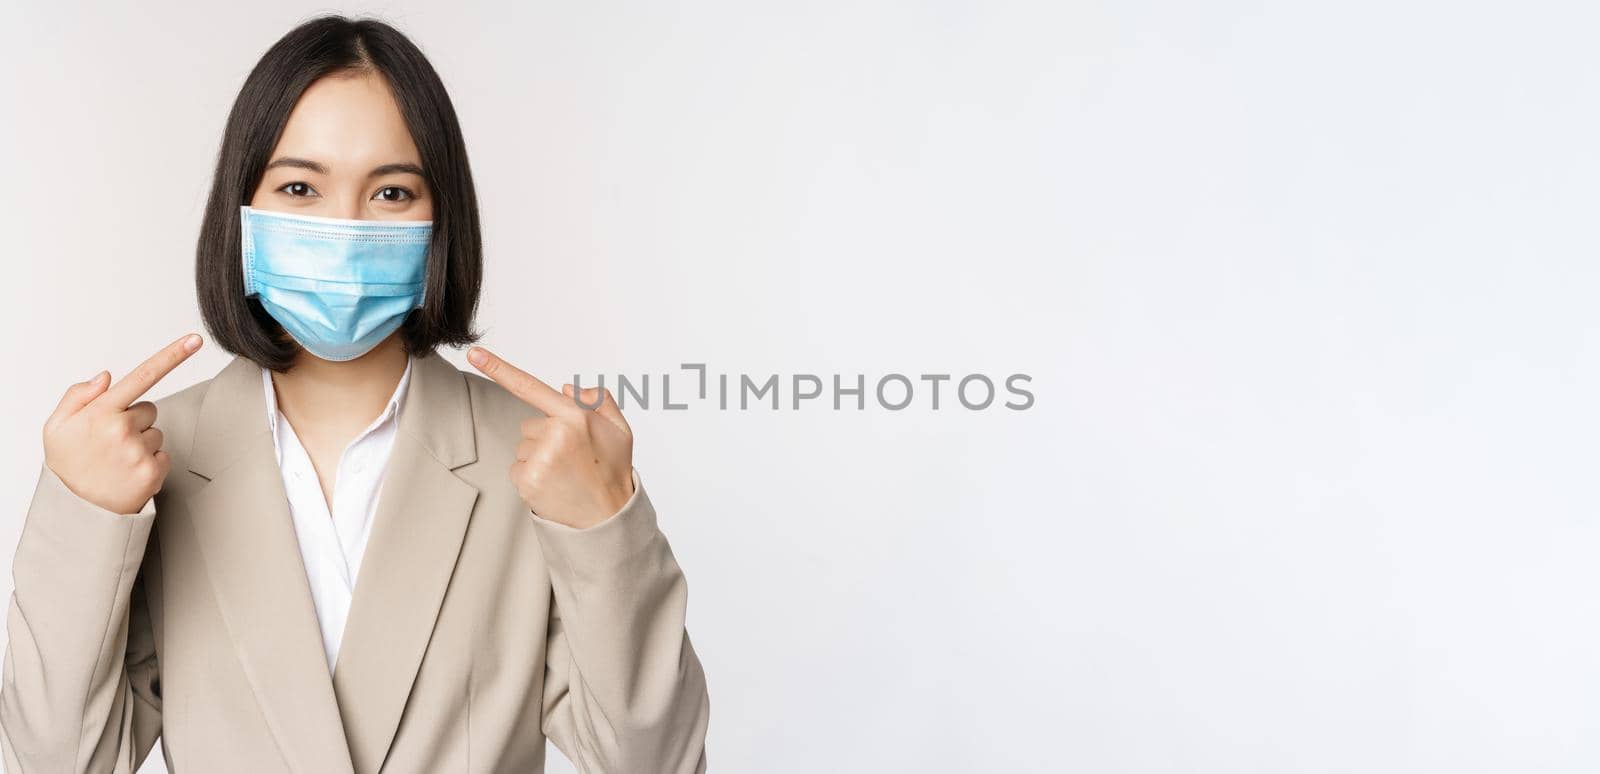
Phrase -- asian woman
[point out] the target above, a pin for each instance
(341, 553)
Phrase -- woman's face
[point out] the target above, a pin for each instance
(346, 153)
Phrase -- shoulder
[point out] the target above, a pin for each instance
(176, 413)
(497, 413)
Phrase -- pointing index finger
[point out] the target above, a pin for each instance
(520, 383)
(139, 381)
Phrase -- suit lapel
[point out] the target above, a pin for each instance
(246, 534)
(422, 517)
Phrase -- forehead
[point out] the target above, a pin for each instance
(348, 122)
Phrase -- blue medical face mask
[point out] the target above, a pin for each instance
(339, 287)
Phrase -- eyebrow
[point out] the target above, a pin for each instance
(289, 161)
(379, 171)
(401, 168)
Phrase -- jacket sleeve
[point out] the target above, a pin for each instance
(624, 692)
(80, 690)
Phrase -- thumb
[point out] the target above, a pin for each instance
(79, 395)
(601, 402)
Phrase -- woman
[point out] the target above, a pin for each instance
(188, 567)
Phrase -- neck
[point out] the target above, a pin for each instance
(339, 395)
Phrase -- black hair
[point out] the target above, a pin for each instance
(324, 46)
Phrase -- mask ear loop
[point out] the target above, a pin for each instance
(247, 248)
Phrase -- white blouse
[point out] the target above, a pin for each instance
(331, 544)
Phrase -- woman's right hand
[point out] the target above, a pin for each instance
(102, 445)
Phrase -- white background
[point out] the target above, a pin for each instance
(1306, 289)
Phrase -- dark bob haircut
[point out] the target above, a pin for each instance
(321, 47)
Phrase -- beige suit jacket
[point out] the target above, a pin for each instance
(477, 628)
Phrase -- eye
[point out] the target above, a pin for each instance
(393, 193)
(298, 189)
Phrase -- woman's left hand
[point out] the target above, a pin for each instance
(574, 466)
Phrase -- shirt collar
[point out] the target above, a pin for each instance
(392, 409)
